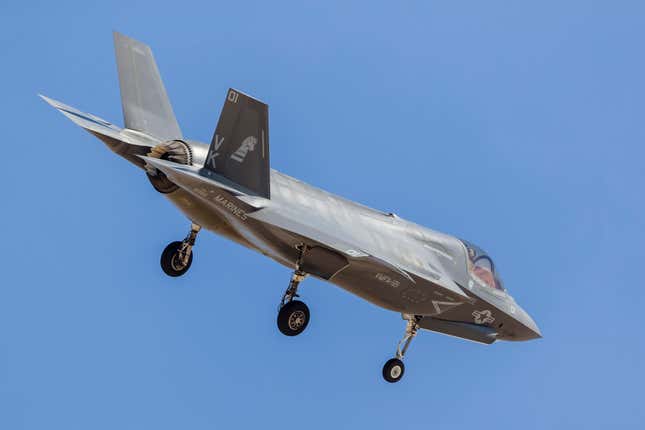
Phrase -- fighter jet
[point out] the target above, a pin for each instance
(435, 281)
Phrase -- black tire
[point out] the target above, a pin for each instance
(393, 370)
(169, 262)
(293, 318)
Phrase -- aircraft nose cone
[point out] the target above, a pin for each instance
(531, 325)
(529, 330)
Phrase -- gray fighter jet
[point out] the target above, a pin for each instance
(435, 281)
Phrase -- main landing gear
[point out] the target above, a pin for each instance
(177, 257)
(394, 368)
(293, 315)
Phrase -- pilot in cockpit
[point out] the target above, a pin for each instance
(483, 269)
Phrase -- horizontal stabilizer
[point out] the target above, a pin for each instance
(85, 120)
(190, 179)
(102, 128)
(126, 143)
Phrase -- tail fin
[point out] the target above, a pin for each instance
(239, 150)
(145, 103)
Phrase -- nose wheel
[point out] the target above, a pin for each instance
(394, 368)
(177, 257)
(293, 315)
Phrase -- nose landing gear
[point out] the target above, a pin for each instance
(394, 368)
(177, 257)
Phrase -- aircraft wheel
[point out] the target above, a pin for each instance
(171, 260)
(393, 370)
(293, 318)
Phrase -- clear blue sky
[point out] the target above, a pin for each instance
(517, 125)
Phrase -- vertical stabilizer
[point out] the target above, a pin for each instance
(145, 103)
(239, 150)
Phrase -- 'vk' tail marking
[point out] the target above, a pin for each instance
(239, 150)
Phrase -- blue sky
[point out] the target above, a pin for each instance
(517, 125)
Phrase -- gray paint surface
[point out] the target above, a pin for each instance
(389, 261)
(145, 103)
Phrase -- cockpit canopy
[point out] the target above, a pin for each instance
(482, 269)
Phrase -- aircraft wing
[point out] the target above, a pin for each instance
(190, 179)
(276, 219)
(352, 253)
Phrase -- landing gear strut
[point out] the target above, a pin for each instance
(293, 315)
(177, 257)
(394, 368)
